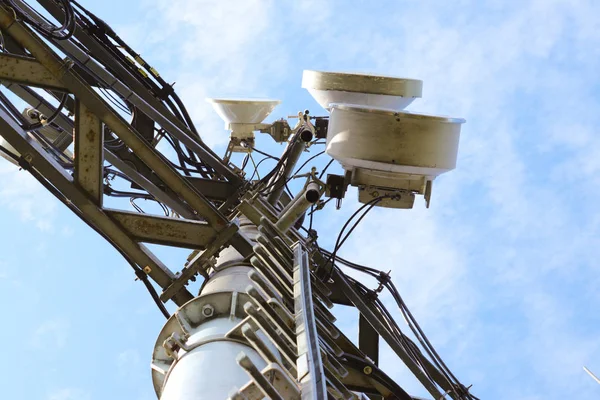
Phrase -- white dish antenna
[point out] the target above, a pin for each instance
(243, 111)
(243, 117)
(361, 89)
(385, 151)
(393, 141)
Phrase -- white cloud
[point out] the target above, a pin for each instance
(22, 194)
(482, 268)
(69, 394)
(221, 48)
(51, 334)
(501, 271)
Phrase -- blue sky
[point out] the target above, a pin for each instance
(501, 271)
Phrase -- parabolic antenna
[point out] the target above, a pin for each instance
(388, 149)
(243, 111)
(242, 117)
(361, 89)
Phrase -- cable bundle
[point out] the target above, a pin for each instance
(47, 29)
(458, 390)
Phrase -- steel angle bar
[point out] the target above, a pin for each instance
(176, 232)
(275, 318)
(60, 69)
(33, 154)
(27, 71)
(139, 96)
(214, 190)
(195, 266)
(311, 375)
(175, 204)
(259, 379)
(368, 339)
(39, 103)
(89, 154)
(265, 352)
(285, 347)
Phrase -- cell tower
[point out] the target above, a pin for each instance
(261, 325)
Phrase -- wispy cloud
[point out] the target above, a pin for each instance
(69, 394)
(22, 194)
(51, 334)
(501, 271)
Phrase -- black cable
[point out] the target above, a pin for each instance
(141, 211)
(325, 169)
(47, 29)
(140, 274)
(275, 185)
(256, 167)
(51, 118)
(371, 203)
(306, 162)
(280, 163)
(246, 144)
(458, 389)
(165, 91)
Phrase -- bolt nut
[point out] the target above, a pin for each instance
(147, 269)
(208, 310)
(368, 370)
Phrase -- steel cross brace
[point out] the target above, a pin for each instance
(36, 158)
(60, 70)
(47, 70)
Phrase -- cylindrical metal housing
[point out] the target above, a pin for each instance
(277, 183)
(193, 358)
(393, 141)
(298, 206)
(209, 371)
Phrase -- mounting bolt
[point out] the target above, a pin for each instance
(368, 370)
(28, 158)
(147, 269)
(208, 310)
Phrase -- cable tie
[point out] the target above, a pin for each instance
(140, 275)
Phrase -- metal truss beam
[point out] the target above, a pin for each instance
(27, 71)
(139, 96)
(39, 103)
(124, 131)
(214, 190)
(164, 230)
(89, 150)
(36, 157)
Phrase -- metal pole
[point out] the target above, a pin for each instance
(278, 182)
(298, 206)
(203, 358)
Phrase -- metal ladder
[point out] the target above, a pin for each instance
(290, 306)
